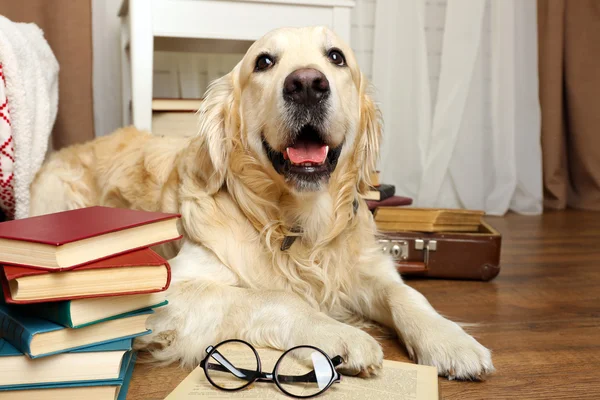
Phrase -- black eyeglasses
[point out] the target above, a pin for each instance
(301, 372)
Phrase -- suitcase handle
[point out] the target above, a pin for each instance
(405, 267)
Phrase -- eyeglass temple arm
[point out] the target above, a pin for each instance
(251, 375)
(263, 377)
(227, 366)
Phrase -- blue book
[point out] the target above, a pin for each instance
(122, 393)
(98, 390)
(102, 362)
(37, 337)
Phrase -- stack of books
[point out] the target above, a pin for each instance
(390, 216)
(77, 287)
(175, 117)
(383, 194)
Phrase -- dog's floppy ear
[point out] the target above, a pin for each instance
(369, 136)
(218, 121)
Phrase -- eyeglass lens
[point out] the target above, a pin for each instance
(304, 372)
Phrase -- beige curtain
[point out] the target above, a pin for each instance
(569, 60)
(67, 25)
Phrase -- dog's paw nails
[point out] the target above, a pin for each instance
(371, 370)
(411, 352)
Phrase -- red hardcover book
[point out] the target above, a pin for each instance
(140, 271)
(68, 239)
(393, 201)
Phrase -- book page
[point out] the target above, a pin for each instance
(396, 380)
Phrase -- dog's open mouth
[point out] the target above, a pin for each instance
(308, 158)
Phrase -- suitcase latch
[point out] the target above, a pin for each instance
(398, 249)
(426, 246)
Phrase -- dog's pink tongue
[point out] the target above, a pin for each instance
(304, 152)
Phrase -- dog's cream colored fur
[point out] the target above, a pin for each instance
(230, 278)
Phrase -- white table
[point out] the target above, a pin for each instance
(240, 20)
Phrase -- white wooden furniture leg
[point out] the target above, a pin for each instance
(125, 72)
(142, 57)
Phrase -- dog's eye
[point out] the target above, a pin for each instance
(264, 62)
(336, 57)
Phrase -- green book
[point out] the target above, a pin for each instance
(84, 312)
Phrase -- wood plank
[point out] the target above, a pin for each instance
(540, 316)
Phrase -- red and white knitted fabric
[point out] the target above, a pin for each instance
(7, 154)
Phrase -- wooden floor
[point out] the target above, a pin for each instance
(540, 316)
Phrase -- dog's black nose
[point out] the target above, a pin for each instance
(306, 86)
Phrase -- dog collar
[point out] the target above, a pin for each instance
(289, 240)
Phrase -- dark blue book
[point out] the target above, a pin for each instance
(109, 389)
(37, 337)
(102, 362)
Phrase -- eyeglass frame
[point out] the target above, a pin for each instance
(260, 376)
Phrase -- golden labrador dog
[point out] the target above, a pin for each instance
(278, 249)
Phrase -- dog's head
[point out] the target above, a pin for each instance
(297, 102)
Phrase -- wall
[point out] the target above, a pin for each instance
(363, 32)
(183, 74)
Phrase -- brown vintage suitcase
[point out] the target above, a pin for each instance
(450, 255)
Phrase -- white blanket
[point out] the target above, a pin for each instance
(31, 73)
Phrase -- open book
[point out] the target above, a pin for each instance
(396, 380)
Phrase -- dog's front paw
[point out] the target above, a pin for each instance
(362, 354)
(452, 351)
